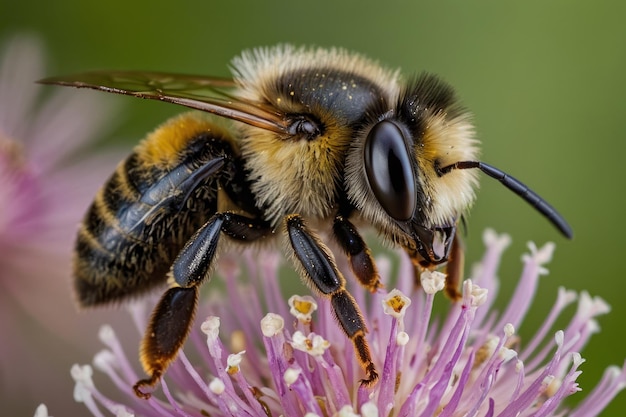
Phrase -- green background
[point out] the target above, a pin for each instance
(544, 80)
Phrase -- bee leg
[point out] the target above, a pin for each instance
(359, 255)
(168, 329)
(318, 269)
(172, 317)
(454, 268)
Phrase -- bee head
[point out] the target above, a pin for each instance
(393, 172)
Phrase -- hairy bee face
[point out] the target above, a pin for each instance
(356, 128)
(392, 173)
(317, 139)
(325, 95)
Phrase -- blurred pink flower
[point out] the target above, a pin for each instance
(46, 183)
(294, 360)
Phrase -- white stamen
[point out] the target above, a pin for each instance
(395, 303)
(41, 411)
(103, 360)
(122, 412)
(298, 338)
(509, 330)
(592, 326)
(291, 375)
(491, 238)
(540, 256)
(507, 354)
(558, 337)
(233, 361)
(402, 339)
(82, 376)
(216, 386)
(211, 326)
(369, 409)
(106, 334)
(592, 306)
(302, 307)
(612, 373)
(313, 344)
(478, 295)
(432, 281)
(577, 359)
(272, 324)
(544, 254)
(347, 411)
(565, 296)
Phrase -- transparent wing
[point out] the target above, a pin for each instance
(209, 94)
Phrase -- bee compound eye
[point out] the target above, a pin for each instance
(389, 170)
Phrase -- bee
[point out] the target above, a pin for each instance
(301, 143)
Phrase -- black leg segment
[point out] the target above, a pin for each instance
(195, 261)
(172, 317)
(359, 255)
(318, 269)
(169, 326)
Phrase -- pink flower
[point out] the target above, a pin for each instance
(46, 182)
(275, 357)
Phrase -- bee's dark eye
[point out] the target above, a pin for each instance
(389, 170)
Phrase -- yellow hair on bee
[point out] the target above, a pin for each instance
(296, 176)
(162, 147)
(445, 142)
(257, 70)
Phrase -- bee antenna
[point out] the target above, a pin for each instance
(518, 188)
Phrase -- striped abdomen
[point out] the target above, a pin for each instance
(144, 215)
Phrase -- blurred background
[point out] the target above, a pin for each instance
(544, 80)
